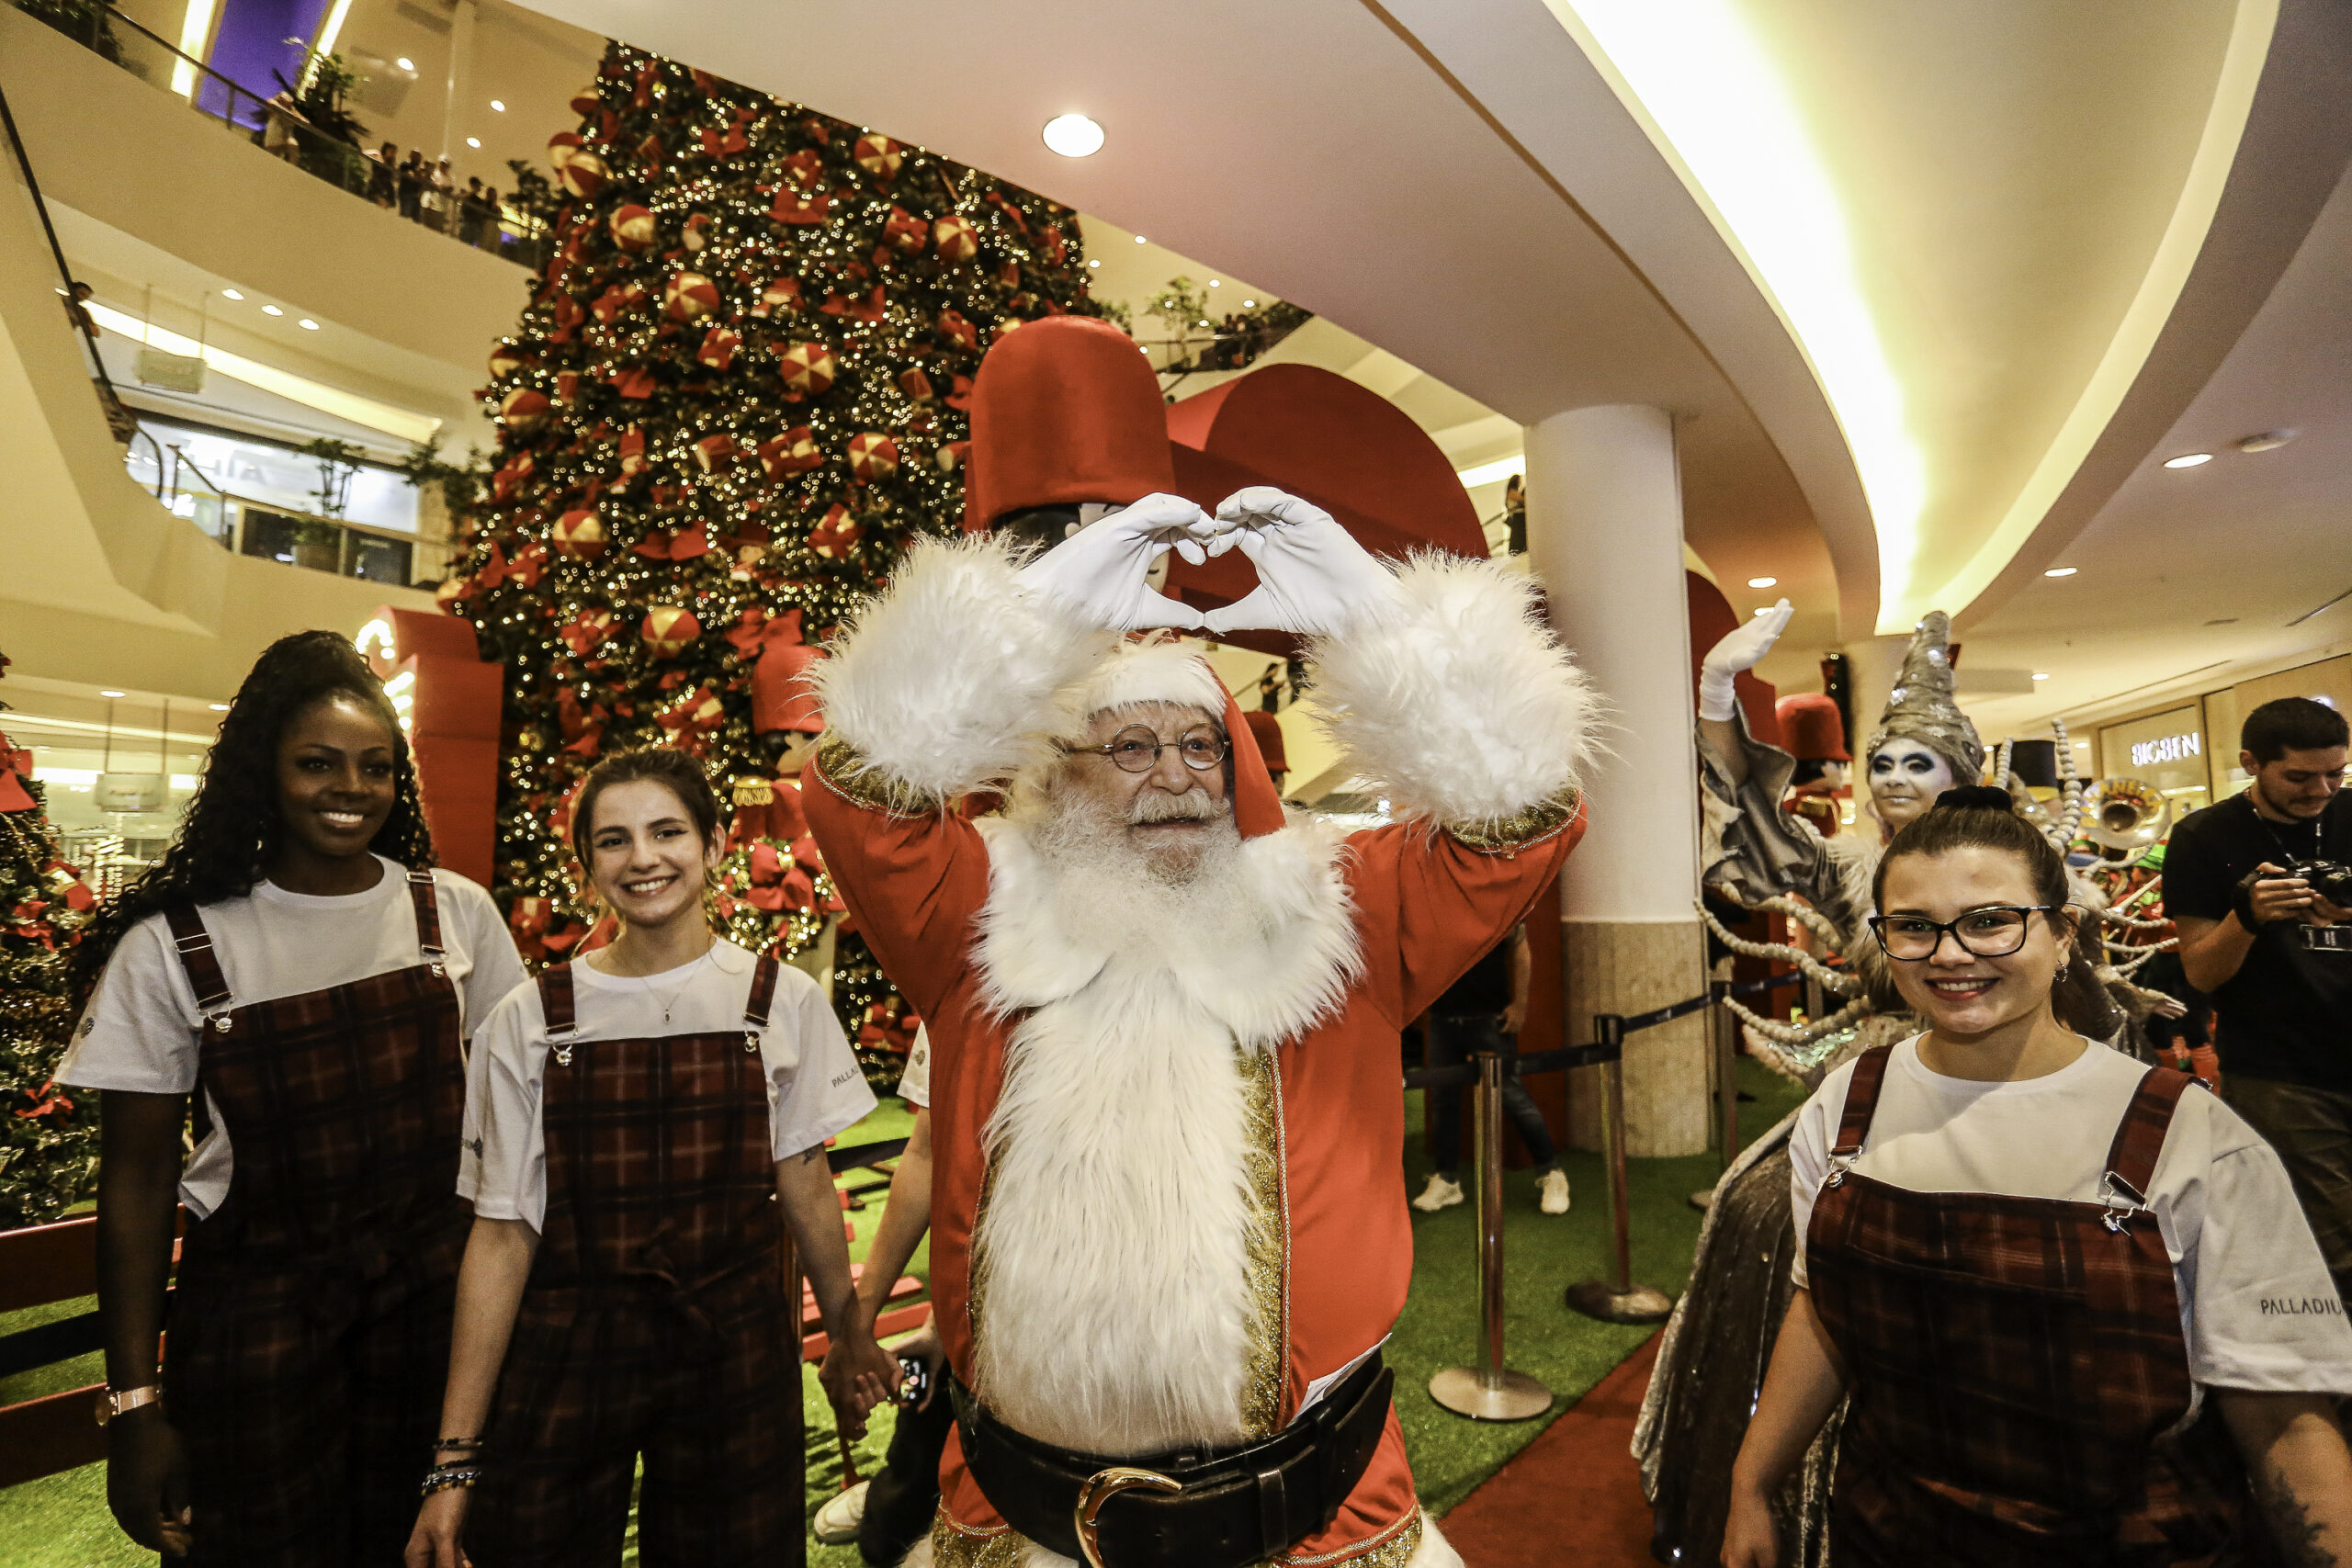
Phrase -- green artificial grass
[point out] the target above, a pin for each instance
(62, 1521)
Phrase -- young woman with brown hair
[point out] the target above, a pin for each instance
(644, 1125)
(2031, 1265)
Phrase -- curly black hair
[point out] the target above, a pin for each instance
(234, 825)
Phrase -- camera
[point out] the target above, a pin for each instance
(2332, 880)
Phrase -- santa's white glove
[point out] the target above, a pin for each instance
(1742, 648)
(1100, 571)
(1313, 578)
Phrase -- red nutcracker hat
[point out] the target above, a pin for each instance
(1064, 411)
(1810, 728)
(1267, 730)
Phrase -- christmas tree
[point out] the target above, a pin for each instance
(737, 395)
(49, 1141)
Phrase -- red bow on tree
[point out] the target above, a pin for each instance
(14, 765)
(778, 884)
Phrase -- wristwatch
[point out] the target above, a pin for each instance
(113, 1402)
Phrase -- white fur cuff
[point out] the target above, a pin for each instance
(1461, 706)
(946, 680)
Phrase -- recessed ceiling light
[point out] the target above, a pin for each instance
(309, 325)
(474, 141)
(1763, 582)
(231, 294)
(405, 64)
(1073, 135)
(498, 106)
(2041, 675)
(1249, 304)
(1213, 283)
(2188, 460)
(217, 707)
(1138, 239)
(2268, 441)
(2061, 571)
(1094, 264)
(271, 310)
(110, 694)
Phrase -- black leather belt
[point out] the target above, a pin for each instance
(1194, 1508)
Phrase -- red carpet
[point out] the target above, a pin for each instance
(1573, 1495)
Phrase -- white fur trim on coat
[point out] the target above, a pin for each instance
(1461, 706)
(945, 682)
(1113, 1255)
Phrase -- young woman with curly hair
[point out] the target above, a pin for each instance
(297, 968)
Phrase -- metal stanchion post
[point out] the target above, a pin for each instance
(1616, 1299)
(1490, 1392)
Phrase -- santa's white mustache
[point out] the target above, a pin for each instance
(1192, 806)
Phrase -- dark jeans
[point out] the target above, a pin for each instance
(1452, 1041)
(2312, 1130)
(904, 1494)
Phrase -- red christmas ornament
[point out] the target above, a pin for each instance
(954, 239)
(782, 296)
(835, 534)
(713, 453)
(719, 347)
(580, 535)
(616, 299)
(956, 330)
(915, 384)
(671, 543)
(634, 228)
(878, 155)
(632, 453)
(633, 381)
(508, 480)
(504, 360)
(567, 385)
(586, 101)
(668, 630)
(688, 295)
(903, 231)
(697, 231)
(564, 147)
(583, 174)
(586, 631)
(524, 410)
(798, 211)
(794, 451)
(807, 368)
(872, 457)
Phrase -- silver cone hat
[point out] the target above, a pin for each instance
(1921, 707)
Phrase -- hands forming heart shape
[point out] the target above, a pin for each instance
(1313, 577)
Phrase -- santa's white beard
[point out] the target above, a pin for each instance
(1121, 875)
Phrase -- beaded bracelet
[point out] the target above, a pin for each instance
(442, 1477)
(447, 1444)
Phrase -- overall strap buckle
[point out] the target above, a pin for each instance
(2122, 1201)
(556, 1004)
(755, 1008)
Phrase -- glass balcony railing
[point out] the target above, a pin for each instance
(278, 126)
(269, 531)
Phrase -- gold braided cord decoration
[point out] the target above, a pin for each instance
(2138, 925)
(1772, 1029)
(1835, 982)
(1808, 917)
(1391, 1549)
(1532, 825)
(853, 778)
(960, 1545)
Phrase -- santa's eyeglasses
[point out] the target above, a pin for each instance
(1137, 748)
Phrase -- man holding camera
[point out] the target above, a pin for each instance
(2259, 887)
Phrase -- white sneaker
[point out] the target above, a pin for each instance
(1443, 1193)
(836, 1523)
(1551, 1192)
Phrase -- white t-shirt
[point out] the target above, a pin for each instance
(2257, 1308)
(140, 1031)
(815, 1086)
(914, 1084)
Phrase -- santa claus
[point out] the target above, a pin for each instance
(1170, 1233)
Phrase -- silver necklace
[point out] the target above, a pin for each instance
(692, 969)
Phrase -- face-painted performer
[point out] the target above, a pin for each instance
(1163, 1015)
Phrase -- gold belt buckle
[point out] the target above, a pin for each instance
(1100, 1488)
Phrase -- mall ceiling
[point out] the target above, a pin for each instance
(1924, 285)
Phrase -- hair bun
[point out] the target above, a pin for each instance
(1975, 797)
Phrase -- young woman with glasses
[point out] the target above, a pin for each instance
(2069, 1299)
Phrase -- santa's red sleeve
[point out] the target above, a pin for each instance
(945, 684)
(1460, 711)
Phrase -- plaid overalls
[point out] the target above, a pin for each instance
(656, 1322)
(2017, 1373)
(309, 1331)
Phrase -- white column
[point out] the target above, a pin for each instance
(1604, 531)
